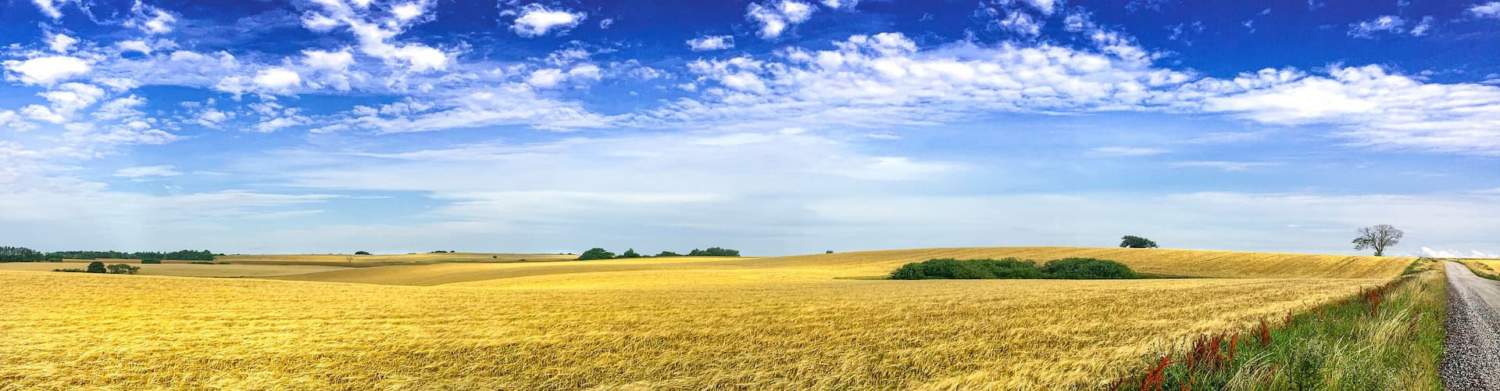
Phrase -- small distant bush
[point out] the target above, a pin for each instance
(120, 268)
(1087, 269)
(629, 253)
(96, 267)
(150, 261)
(361, 253)
(668, 254)
(70, 270)
(596, 253)
(1012, 268)
(828, 252)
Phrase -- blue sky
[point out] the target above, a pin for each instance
(775, 127)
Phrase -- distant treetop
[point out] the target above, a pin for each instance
(1132, 241)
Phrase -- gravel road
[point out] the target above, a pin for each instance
(1471, 357)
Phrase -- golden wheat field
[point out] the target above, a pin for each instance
(807, 322)
(1483, 267)
(385, 259)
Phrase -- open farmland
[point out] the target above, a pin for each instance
(673, 323)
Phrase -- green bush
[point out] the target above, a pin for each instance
(1132, 241)
(96, 267)
(120, 268)
(629, 253)
(1086, 269)
(596, 253)
(1012, 268)
(668, 254)
(948, 268)
(150, 261)
(361, 252)
(714, 252)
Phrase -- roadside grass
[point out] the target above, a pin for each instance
(1387, 338)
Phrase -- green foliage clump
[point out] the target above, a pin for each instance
(1012, 268)
(972, 269)
(629, 253)
(596, 253)
(668, 254)
(150, 261)
(714, 252)
(1086, 269)
(96, 267)
(361, 252)
(20, 254)
(183, 255)
(120, 268)
(1132, 241)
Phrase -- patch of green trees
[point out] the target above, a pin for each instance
(600, 253)
(22, 254)
(1013, 268)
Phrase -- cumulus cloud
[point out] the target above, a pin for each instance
(336, 61)
(277, 79)
(150, 19)
(376, 35)
(47, 70)
(1383, 23)
(536, 20)
(50, 7)
(1371, 107)
(775, 17)
(1422, 27)
(1486, 10)
(884, 79)
(711, 42)
(60, 43)
(1021, 23)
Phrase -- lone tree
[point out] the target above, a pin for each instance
(96, 267)
(1132, 241)
(596, 253)
(1377, 237)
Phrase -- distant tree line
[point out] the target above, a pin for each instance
(22, 254)
(600, 253)
(99, 267)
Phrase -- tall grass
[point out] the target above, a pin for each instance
(1389, 337)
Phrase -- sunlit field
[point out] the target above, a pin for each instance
(802, 322)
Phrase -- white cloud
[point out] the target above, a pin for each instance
(338, 61)
(1021, 23)
(844, 4)
(884, 79)
(711, 42)
(376, 35)
(1045, 6)
(1422, 27)
(60, 43)
(775, 17)
(499, 106)
(537, 20)
(1486, 10)
(48, 70)
(1436, 253)
(212, 117)
(545, 78)
(50, 7)
(1367, 105)
(135, 45)
(408, 11)
(150, 19)
(140, 172)
(1383, 23)
(277, 79)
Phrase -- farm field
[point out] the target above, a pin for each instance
(668, 323)
(182, 269)
(1487, 268)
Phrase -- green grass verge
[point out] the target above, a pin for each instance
(1386, 339)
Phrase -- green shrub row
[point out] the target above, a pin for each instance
(1013, 268)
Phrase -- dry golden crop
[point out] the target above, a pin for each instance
(780, 323)
(384, 259)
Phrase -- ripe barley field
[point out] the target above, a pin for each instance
(772, 323)
(385, 259)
